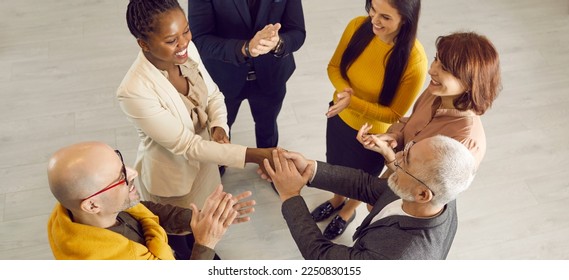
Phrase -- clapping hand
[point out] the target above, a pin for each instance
(211, 223)
(243, 208)
(343, 99)
(220, 210)
(265, 40)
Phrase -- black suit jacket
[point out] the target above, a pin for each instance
(392, 238)
(220, 27)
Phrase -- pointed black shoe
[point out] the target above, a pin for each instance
(325, 210)
(337, 226)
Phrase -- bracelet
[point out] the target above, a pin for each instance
(247, 52)
(278, 51)
(389, 162)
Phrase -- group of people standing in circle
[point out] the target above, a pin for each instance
(185, 88)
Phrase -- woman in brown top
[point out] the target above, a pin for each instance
(465, 80)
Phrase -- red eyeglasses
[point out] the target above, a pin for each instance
(120, 182)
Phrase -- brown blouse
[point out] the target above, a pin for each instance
(429, 120)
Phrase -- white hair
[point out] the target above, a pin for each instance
(449, 171)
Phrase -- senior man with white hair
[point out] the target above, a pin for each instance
(414, 214)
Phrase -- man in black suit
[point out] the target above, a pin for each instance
(247, 48)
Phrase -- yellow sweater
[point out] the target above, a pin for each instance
(75, 241)
(366, 79)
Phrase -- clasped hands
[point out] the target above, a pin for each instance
(288, 171)
(264, 40)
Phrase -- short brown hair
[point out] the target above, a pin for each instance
(473, 59)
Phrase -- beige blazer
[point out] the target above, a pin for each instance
(170, 152)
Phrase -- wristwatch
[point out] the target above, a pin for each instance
(277, 51)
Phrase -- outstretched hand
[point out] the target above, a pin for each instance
(220, 210)
(257, 155)
(210, 224)
(243, 208)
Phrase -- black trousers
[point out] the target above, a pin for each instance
(183, 245)
(265, 108)
(342, 148)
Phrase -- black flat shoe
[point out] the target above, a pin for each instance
(337, 226)
(325, 210)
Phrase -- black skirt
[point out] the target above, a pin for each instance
(342, 148)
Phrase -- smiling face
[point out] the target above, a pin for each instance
(385, 19)
(443, 83)
(111, 171)
(132, 198)
(167, 45)
(124, 196)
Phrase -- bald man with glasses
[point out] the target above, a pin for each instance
(414, 210)
(99, 214)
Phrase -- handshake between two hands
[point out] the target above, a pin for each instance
(288, 171)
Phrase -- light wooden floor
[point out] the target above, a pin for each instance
(61, 62)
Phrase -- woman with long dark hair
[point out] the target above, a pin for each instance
(377, 70)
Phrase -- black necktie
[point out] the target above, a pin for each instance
(253, 9)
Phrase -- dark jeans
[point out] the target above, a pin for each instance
(265, 108)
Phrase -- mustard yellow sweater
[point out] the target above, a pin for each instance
(75, 241)
(366, 79)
